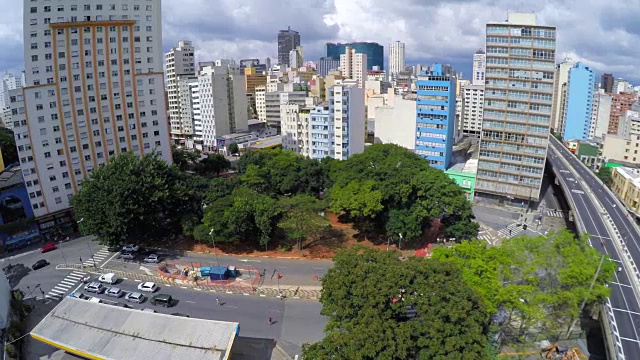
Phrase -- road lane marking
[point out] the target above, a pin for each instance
(627, 339)
(59, 287)
(67, 282)
(56, 291)
(190, 302)
(74, 276)
(111, 258)
(619, 284)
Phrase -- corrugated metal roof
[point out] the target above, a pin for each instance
(103, 331)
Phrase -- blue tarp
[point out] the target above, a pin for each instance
(205, 271)
(218, 273)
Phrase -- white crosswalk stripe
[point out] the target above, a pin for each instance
(511, 231)
(65, 285)
(56, 291)
(555, 213)
(67, 282)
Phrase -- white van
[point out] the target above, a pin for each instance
(110, 278)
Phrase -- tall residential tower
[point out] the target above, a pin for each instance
(396, 58)
(517, 109)
(94, 89)
(180, 65)
(579, 105)
(479, 65)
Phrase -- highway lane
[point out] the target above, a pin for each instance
(625, 305)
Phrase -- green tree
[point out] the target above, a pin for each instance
(382, 308)
(184, 159)
(539, 281)
(604, 174)
(234, 149)
(8, 147)
(134, 199)
(215, 225)
(213, 164)
(301, 219)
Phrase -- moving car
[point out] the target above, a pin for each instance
(148, 287)
(109, 278)
(130, 248)
(152, 259)
(48, 247)
(94, 287)
(114, 292)
(135, 297)
(40, 264)
(128, 255)
(162, 300)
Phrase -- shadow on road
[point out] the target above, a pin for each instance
(15, 273)
(245, 348)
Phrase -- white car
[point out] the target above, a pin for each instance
(94, 287)
(131, 248)
(148, 287)
(109, 278)
(114, 292)
(152, 259)
(135, 297)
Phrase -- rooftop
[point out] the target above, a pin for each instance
(629, 173)
(11, 177)
(95, 330)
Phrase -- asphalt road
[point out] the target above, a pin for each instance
(625, 304)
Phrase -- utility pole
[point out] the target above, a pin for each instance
(584, 301)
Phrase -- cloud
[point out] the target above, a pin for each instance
(602, 34)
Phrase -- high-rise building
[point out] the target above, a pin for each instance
(603, 115)
(619, 104)
(287, 41)
(621, 85)
(295, 123)
(337, 130)
(179, 64)
(560, 79)
(254, 64)
(326, 64)
(223, 101)
(472, 109)
(374, 52)
(436, 116)
(94, 89)
(396, 58)
(479, 64)
(579, 102)
(7, 83)
(517, 109)
(353, 65)
(606, 83)
(296, 58)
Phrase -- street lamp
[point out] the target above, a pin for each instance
(214, 246)
(400, 242)
(89, 247)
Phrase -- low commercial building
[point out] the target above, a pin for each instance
(18, 227)
(99, 331)
(626, 185)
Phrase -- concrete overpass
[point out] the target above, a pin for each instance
(612, 231)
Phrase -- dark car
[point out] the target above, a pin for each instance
(40, 264)
(162, 300)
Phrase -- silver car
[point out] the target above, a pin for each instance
(114, 292)
(94, 287)
(152, 259)
(135, 297)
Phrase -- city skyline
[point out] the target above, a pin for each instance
(461, 31)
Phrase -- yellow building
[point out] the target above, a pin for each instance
(1, 161)
(253, 79)
(626, 185)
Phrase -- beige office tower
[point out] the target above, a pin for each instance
(517, 109)
(180, 67)
(94, 89)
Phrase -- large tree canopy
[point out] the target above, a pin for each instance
(135, 198)
(539, 281)
(382, 308)
(388, 189)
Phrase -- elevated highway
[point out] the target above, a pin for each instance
(598, 213)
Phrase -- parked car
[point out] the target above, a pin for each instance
(128, 256)
(180, 314)
(109, 278)
(148, 287)
(135, 297)
(40, 264)
(152, 259)
(114, 292)
(130, 248)
(48, 247)
(162, 300)
(94, 287)
(113, 249)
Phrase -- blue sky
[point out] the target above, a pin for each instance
(602, 34)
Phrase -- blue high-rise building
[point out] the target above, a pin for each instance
(374, 51)
(577, 114)
(436, 116)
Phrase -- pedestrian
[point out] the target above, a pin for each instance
(217, 300)
(270, 321)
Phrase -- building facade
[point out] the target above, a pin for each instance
(94, 89)
(396, 58)
(353, 65)
(625, 183)
(579, 107)
(296, 58)
(436, 116)
(374, 52)
(17, 225)
(8, 82)
(326, 64)
(295, 124)
(606, 83)
(619, 104)
(287, 41)
(479, 65)
(223, 101)
(472, 110)
(179, 65)
(517, 109)
(560, 79)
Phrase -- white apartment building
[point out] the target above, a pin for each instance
(295, 128)
(7, 83)
(603, 115)
(594, 115)
(198, 133)
(179, 63)
(186, 83)
(561, 77)
(621, 85)
(479, 66)
(353, 66)
(472, 106)
(94, 89)
(396, 58)
(261, 102)
(296, 58)
(395, 123)
(223, 101)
